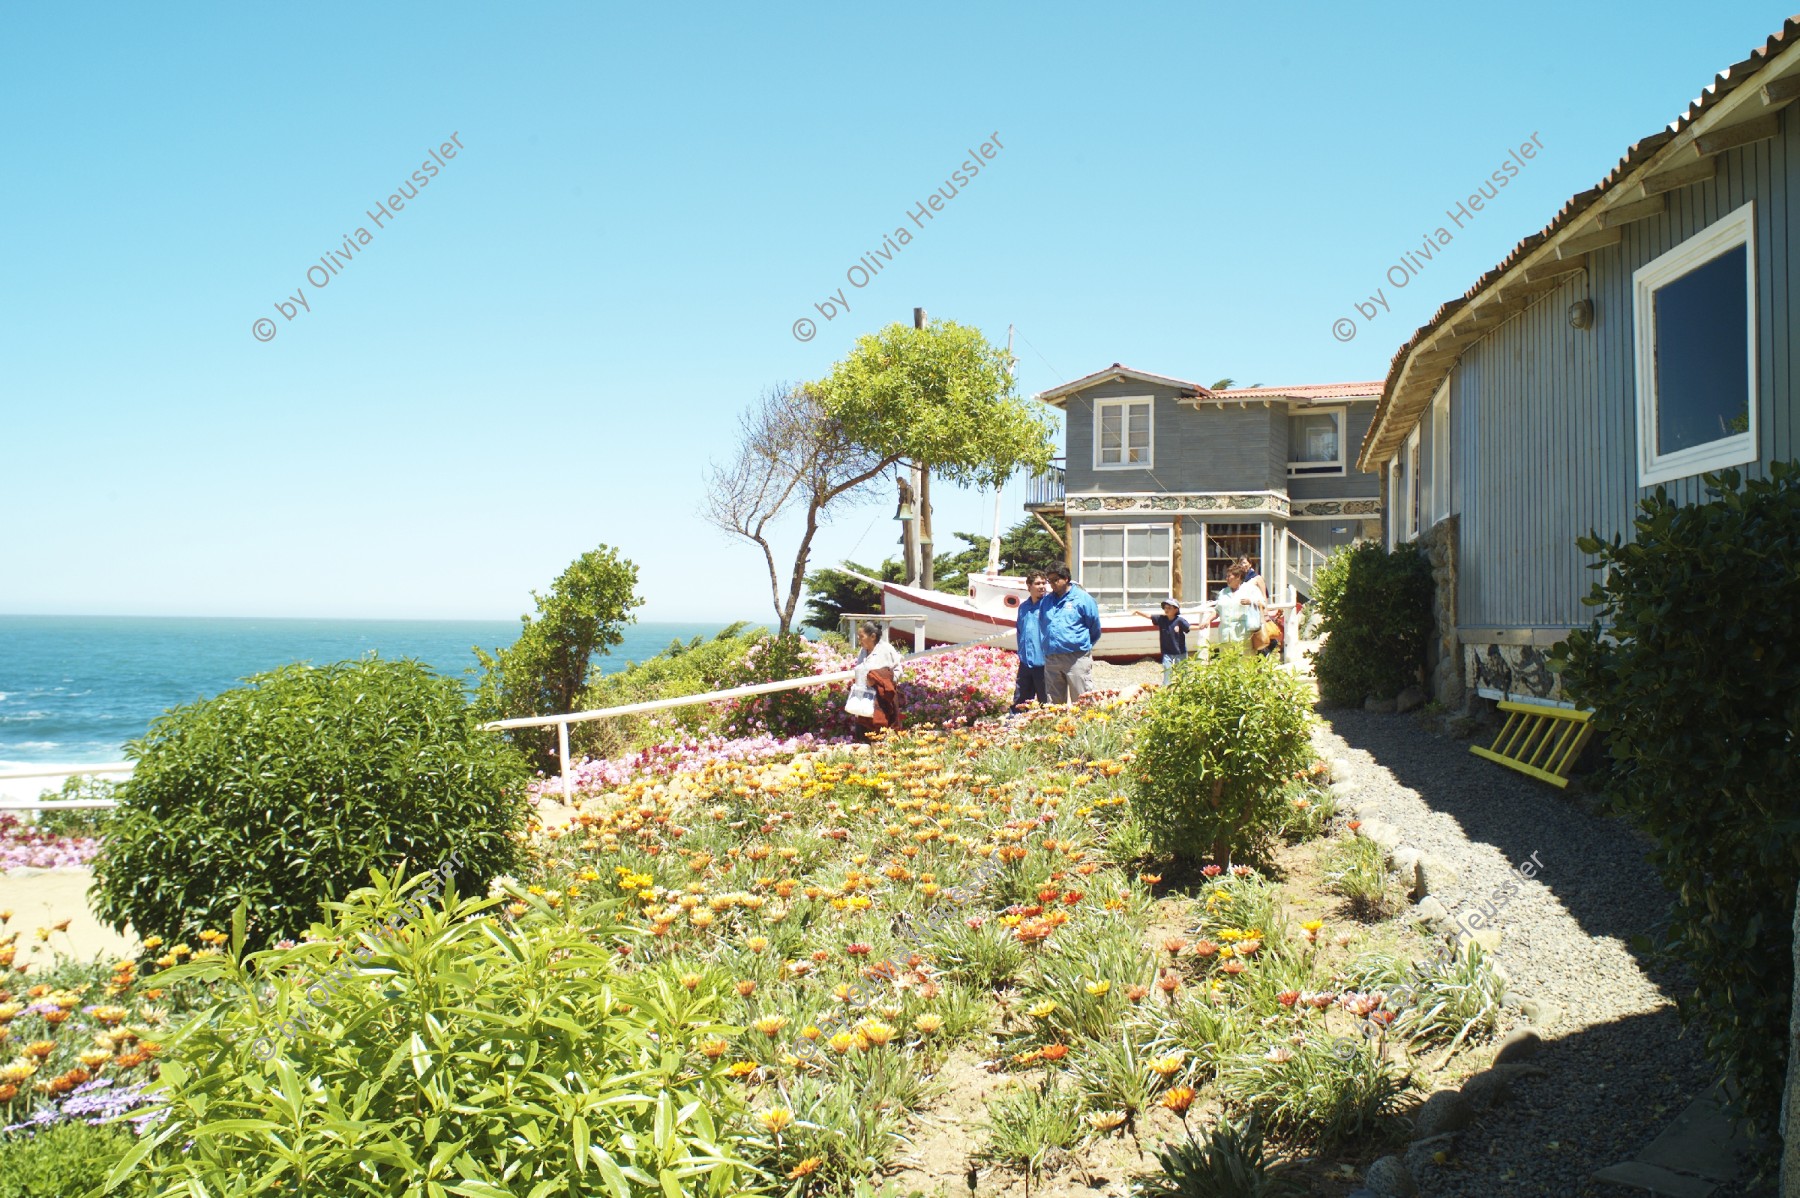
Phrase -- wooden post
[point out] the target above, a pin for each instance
(909, 530)
(1175, 564)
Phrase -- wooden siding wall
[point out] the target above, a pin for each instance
(1544, 416)
(1216, 449)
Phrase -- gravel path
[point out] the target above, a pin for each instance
(1617, 1069)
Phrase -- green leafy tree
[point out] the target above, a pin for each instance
(941, 395)
(1692, 669)
(546, 669)
(1374, 608)
(1025, 546)
(1215, 751)
(831, 594)
(284, 793)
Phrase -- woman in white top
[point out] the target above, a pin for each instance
(1256, 614)
(878, 669)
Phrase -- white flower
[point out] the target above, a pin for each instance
(503, 884)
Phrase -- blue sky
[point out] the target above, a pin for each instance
(542, 350)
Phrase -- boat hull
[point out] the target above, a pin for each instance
(952, 619)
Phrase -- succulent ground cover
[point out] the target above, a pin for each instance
(863, 966)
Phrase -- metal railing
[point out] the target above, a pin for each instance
(1302, 562)
(562, 722)
(6, 804)
(1047, 489)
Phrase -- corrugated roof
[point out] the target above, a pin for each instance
(1636, 157)
(1308, 391)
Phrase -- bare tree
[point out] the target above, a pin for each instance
(791, 457)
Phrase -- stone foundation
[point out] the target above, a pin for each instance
(1445, 674)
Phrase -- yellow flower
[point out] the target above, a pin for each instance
(875, 1032)
(771, 1025)
(842, 1042)
(1099, 989)
(1042, 1009)
(776, 1119)
(151, 943)
(741, 1068)
(1106, 1120)
(1313, 925)
(1167, 1066)
(927, 1024)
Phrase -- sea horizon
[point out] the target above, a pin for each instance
(75, 688)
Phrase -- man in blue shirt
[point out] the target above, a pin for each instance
(1031, 644)
(1071, 630)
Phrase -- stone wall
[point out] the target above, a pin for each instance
(1444, 671)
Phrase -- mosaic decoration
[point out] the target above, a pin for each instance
(1520, 671)
(1337, 507)
(1260, 502)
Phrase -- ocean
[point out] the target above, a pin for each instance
(74, 689)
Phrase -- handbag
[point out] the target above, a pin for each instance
(861, 701)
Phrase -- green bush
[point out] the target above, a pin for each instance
(1216, 750)
(547, 668)
(70, 1160)
(285, 792)
(77, 821)
(465, 1054)
(693, 668)
(1374, 611)
(1692, 669)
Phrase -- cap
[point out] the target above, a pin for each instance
(1172, 602)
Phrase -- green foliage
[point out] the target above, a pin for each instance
(70, 1160)
(1024, 546)
(1357, 870)
(544, 671)
(1226, 1162)
(285, 792)
(77, 821)
(1215, 750)
(941, 395)
(464, 1054)
(830, 594)
(1692, 668)
(690, 668)
(1374, 609)
(1317, 1090)
(1030, 1127)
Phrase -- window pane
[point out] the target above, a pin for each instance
(1103, 542)
(1108, 600)
(1313, 438)
(1102, 574)
(1141, 542)
(1702, 359)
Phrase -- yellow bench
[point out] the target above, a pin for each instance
(1539, 740)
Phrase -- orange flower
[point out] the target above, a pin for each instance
(746, 988)
(1054, 1052)
(1205, 948)
(806, 1167)
(1179, 1099)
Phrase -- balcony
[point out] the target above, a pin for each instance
(1045, 492)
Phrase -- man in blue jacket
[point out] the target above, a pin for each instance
(1071, 630)
(1031, 644)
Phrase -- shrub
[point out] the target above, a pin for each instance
(464, 1054)
(546, 669)
(1357, 870)
(68, 1161)
(1316, 1089)
(1215, 749)
(77, 821)
(693, 668)
(1692, 669)
(284, 793)
(1374, 611)
(1226, 1162)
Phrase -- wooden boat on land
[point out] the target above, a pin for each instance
(990, 610)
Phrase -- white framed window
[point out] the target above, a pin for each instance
(1403, 492)
(1441, 474)
(1316, 441)
(1694, 323)
(1124, 431)
(1126, 566)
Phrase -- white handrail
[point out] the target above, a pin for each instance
(6, 804)
(123, 767)
(562, 722)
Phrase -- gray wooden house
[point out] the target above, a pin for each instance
(1645, 336)
(1165, 482)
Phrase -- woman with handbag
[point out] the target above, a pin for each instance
(874, 699)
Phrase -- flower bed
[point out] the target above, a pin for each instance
(22, 845)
